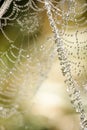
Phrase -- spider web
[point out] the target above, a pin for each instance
(24, 58)
(72, 25)
(24, 62)
(71, 20)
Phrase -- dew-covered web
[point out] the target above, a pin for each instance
(26, 53)
(75, 41)
(68, 19)
(71, 20)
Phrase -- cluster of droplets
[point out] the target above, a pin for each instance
(29, 24)
(65, 52)
(76, 50)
